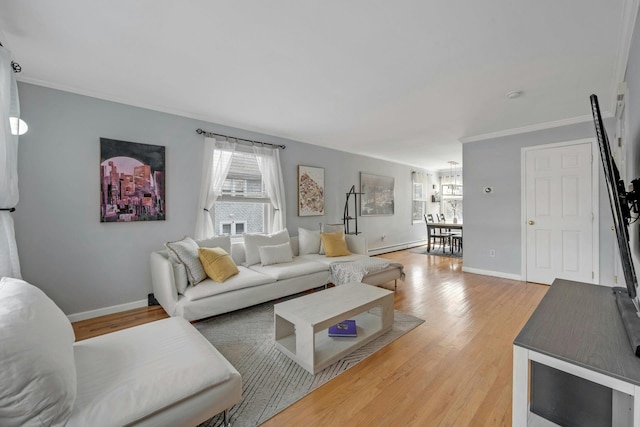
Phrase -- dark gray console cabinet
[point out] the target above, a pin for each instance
(577, 330)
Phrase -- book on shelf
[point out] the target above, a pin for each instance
(346, 328)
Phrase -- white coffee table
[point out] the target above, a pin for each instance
(301, 324)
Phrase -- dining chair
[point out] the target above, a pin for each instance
(437, 233)
(456, 242)
(456, 235)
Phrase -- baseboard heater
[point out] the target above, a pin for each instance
(397, 247)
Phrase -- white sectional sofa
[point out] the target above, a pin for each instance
(163, 373)
(254, 284)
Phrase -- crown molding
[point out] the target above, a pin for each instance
(533, 128)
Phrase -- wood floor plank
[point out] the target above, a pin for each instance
(453, 370)
(110, 323)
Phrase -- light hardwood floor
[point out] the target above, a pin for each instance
(453, 370)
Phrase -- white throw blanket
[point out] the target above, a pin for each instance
(354, 271)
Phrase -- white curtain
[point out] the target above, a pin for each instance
(216, 161)
(9, 107)
(269, 164)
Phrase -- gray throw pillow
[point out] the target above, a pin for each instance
(185, 251)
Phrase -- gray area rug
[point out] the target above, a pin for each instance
(437, 251)
(270, 380)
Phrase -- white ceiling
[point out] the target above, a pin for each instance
(399, 80)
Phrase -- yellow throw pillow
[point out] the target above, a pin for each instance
(334, 244)
(217, 263)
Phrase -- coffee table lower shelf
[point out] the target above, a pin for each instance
(329, 349)
(301, 325)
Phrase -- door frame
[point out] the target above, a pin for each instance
(595, 186)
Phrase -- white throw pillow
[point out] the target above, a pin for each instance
(252, 241)
(38, 373)
(308, 241)
(185, 251)
(329, 228)
(223, 242)
(275, 254)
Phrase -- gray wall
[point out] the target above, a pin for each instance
(632, 112)
(83, 264)
(493, 221)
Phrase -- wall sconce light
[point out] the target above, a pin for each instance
(18, 126)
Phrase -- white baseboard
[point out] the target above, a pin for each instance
(398, 247)
(492, 273)
(107, 310)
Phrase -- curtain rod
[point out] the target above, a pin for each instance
(16, 67)
(211, 134)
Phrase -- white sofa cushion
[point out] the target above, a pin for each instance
(330, 260)
(185, 251)
(246, 278)
(129, 374)
(296, 268)
(37, 371)
(252, 241)
(308, 241)
(223, 242)
(275, 254)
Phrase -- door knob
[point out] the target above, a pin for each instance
(531, 222)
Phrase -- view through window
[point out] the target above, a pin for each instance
(243, 206)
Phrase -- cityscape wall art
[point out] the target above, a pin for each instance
(132, 181)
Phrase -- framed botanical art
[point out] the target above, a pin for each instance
(310, 191)
(132, 181)
(378, 194)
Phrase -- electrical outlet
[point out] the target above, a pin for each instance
(492, 253)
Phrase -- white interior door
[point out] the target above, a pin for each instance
(559, 214)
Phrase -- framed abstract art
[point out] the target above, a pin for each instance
(378, 194)
(310, 191)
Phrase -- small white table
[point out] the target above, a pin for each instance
(301, 324)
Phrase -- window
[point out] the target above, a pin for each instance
(232, 227)
(420, 198)
(451, 187)
(243, 206)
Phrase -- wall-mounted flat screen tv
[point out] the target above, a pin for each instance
(619, 201)
(622, 203)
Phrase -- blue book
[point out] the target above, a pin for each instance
(346, 328)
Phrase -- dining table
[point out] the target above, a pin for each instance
(431, 226)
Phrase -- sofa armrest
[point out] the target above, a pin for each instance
(164, 282)
(356, 243)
